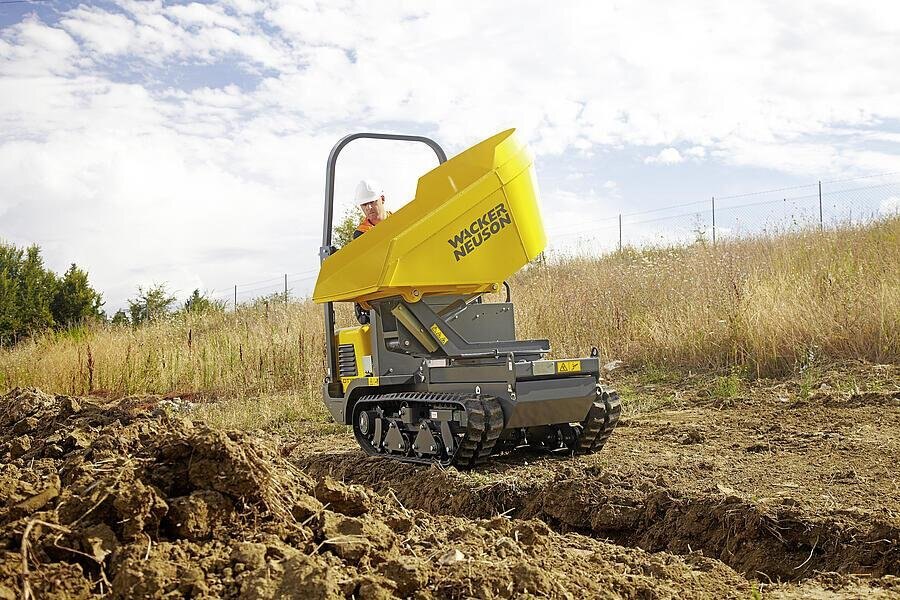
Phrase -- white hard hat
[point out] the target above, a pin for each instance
(367, 190)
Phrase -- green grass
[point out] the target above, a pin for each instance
(644, 391)
(727, 387)
(807, 380)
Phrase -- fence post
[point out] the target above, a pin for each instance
(620, 232)
(285, 288)
(235, 297)
(821, 222)
(714, 219)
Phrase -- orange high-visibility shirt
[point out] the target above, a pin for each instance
(365, 225)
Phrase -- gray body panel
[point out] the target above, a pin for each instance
(551, 401)
(385, 362)
(480, 322)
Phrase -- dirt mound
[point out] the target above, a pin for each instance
(104, 499)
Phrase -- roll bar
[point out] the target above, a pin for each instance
(325, 250)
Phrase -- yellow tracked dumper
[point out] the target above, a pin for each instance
(436, 374)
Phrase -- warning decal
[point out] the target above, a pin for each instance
(438, 334)
(568, 366)
(369, 381)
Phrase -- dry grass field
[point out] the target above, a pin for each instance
(764, 306)
(759, 307)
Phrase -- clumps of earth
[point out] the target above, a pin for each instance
(118, 500)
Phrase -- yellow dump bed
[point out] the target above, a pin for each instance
(474, 222)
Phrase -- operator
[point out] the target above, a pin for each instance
(371, 201)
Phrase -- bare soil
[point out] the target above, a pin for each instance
(784, 489)
(793, 484)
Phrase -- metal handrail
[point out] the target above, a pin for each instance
(332, 164)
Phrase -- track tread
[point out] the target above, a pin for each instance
(484, 417)
(600, 422)
(493, 428)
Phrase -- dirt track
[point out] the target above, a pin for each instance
(711, 498)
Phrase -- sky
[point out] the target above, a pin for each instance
(185, 143)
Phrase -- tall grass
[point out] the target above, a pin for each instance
(767, 306)
(260, 349)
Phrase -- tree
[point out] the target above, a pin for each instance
(35, 292)
(26, 289)
(120, 318)
(10, 322)
(75, 301)
(343, 231)
(200, 303)
(150, 305)
(33, 298)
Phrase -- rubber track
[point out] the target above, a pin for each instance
(484, 425)
(494, 427)
(471, 442)
(600, 422)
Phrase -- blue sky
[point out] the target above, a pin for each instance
(185, 142)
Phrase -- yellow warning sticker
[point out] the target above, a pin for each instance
(369, 381)
(568, 366)
(438, 334)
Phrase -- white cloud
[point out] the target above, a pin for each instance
(101, 31)
(666, 156)
(35, 50)
(421, 64)
(245, 7)
(574, 219)
(203, 14)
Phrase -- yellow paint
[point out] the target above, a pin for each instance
(568, 366)
(487, 194)
(439, 334)
(362, 344)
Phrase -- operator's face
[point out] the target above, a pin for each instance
(374, 210)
